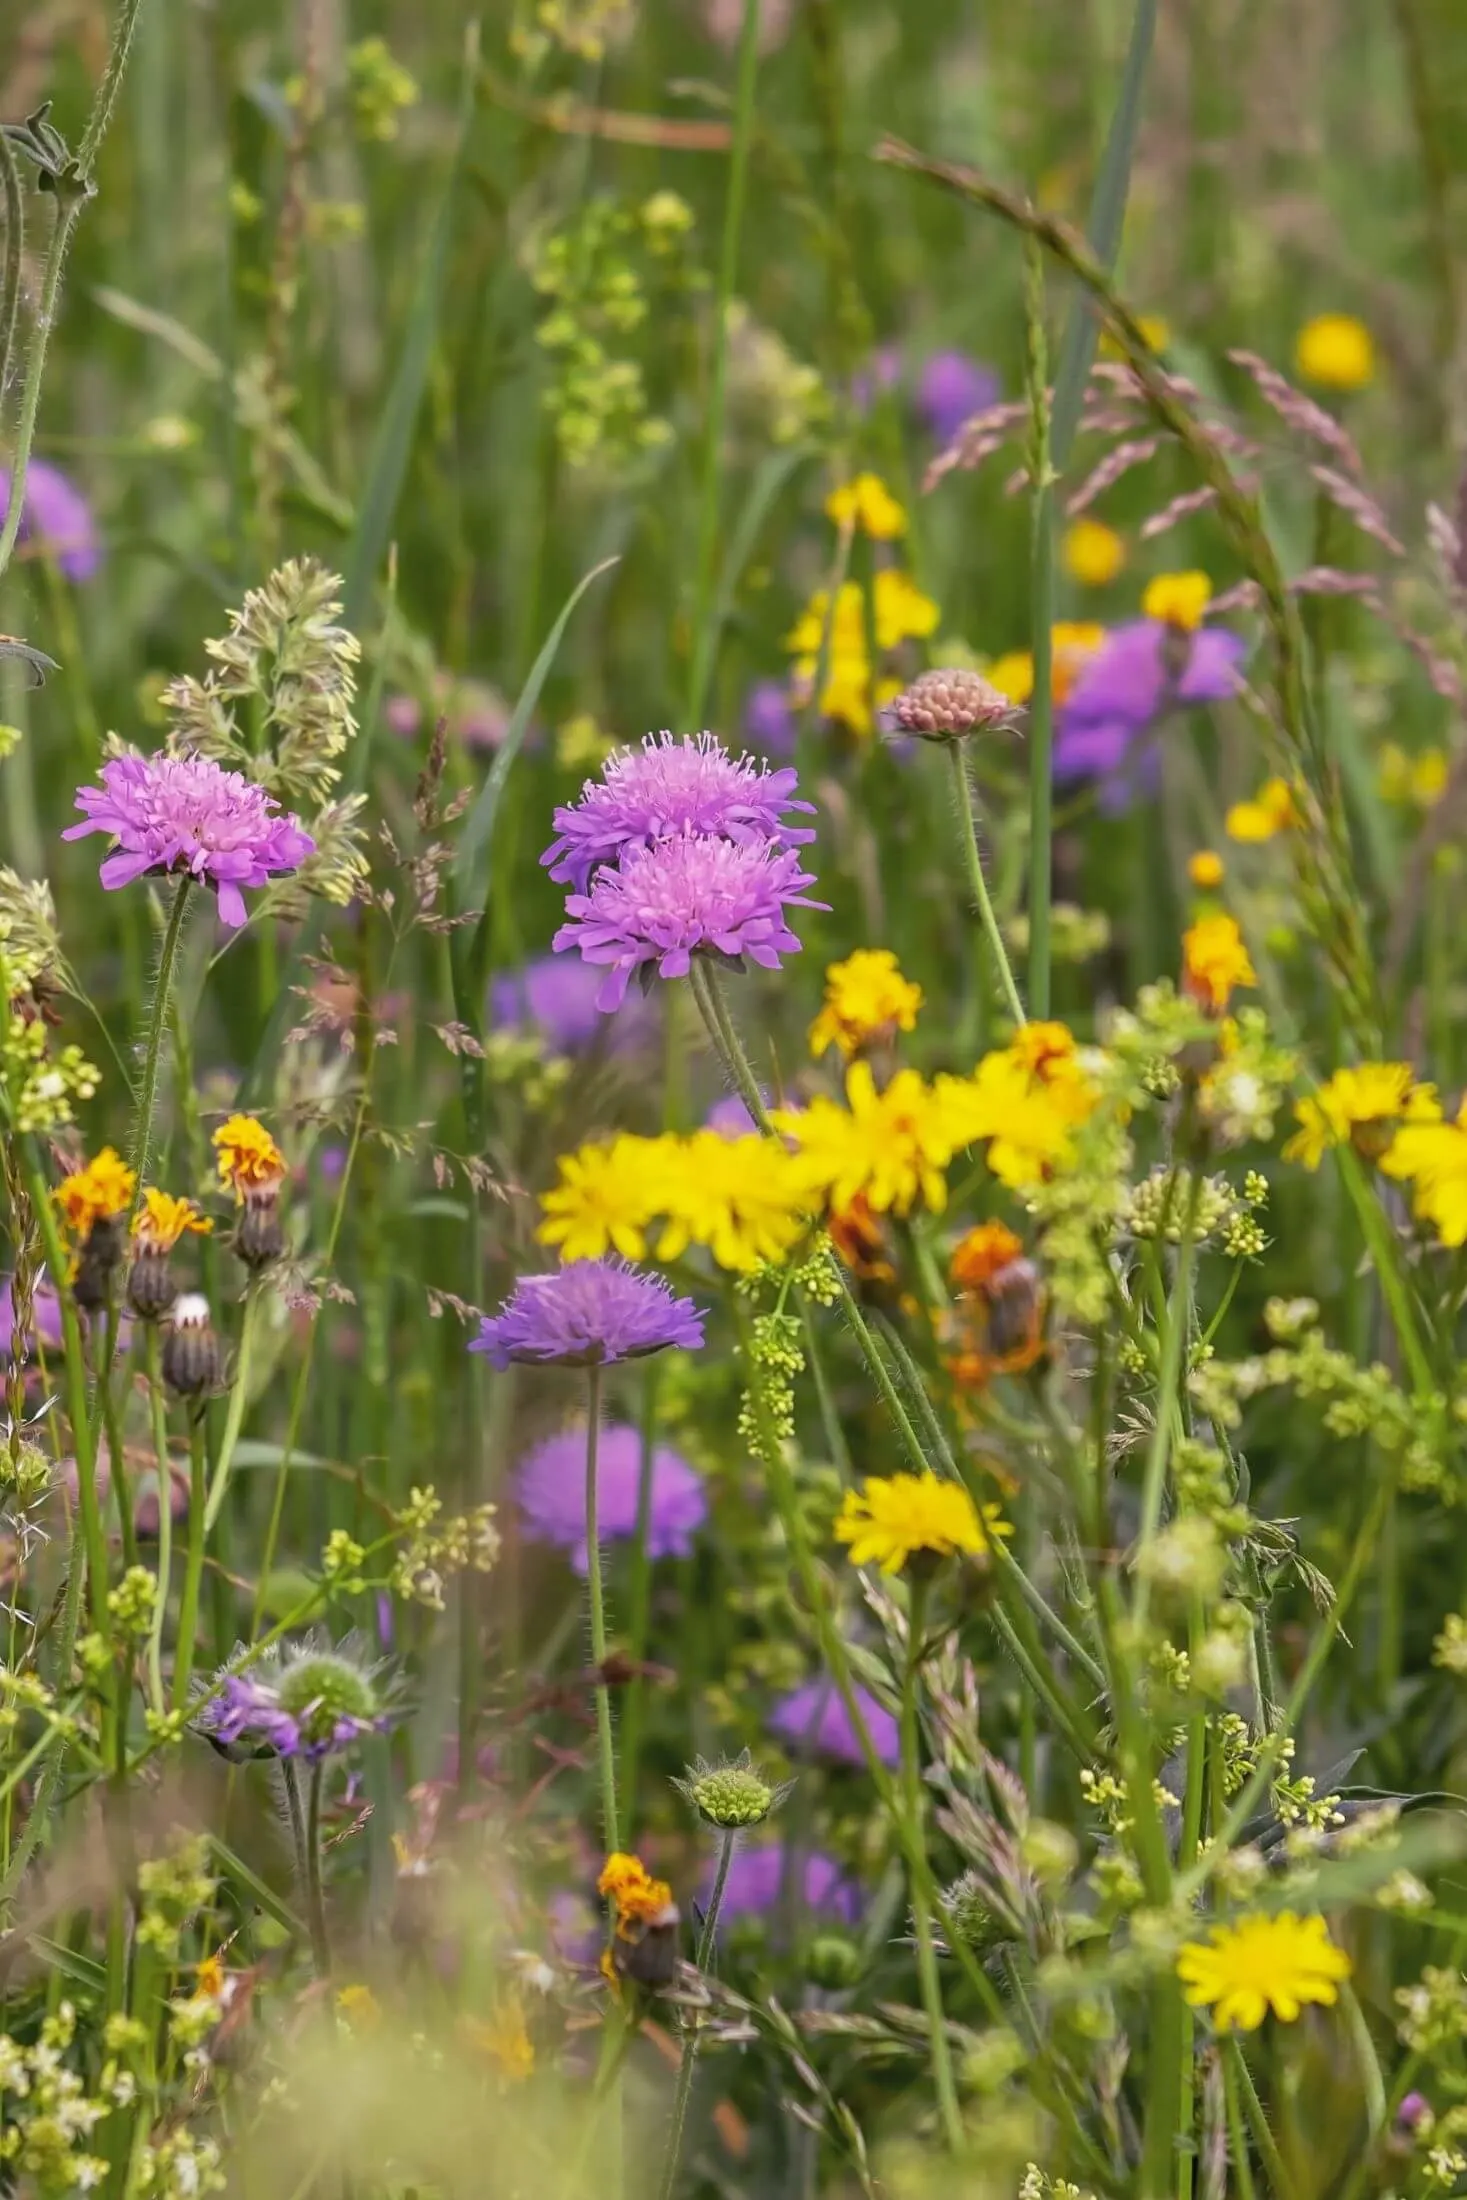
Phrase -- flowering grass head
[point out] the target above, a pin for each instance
(1280, 1963)
(665, 790)
(593, 1312)
(898, 1519)
(867, 1001)
(185, 815)
(550, 1489)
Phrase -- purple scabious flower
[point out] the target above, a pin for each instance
(45, 1318)
(664, 904)
(730, 1116)
(882, 372)
(769, 717)
(557, 998)
(1143, 670)
(309, 1703)
(56, 518)
(756, 1882)
(550, 1487)
(667, 788)
(814, 1719)
(950, 389)
(185, 813)
(590, 1312)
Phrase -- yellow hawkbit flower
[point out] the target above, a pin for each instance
(1272, 810)
(604, 1200)
(1092, 553)
(103, 1188)
(1214, 961)
(902, 612)
(1178, 599)
(897, 1517)
(1335, 352)
(633, 1893)
(360, 2007)
(1420, 780)
(745, 1199)
(1027, 1099)
(1363, 1104)
(888, 1148)
(1241, 1972)
(868, 505)
(866, 997)
(249, 1159)
(161, 1220)
(1205, 870)
(1432, 1159)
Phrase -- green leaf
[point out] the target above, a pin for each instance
(259, 1891)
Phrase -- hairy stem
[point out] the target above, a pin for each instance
(605, 1740)
(691, 2036)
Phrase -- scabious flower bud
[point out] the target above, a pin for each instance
(971, 1915)
(730, 1795)
(191, 1349)
(1049, 1850)
(949, 705)
(833, 1962)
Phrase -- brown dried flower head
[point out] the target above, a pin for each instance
(948, 705)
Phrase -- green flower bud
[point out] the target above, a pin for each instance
(1050, 1851)
(971, 1915)
(833, 1962)
(730, 1795)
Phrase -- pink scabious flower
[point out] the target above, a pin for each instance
(186, 814)
(665, 788)
(550, 1489)
(663, 905)
(589, 1313)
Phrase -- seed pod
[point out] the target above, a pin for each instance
(151, 1290)
(646, 1949)
(260, 1237)
(191, 1349)
(92, 1284)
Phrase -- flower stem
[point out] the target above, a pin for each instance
(941, 2051)
(82, 1433)
(238, 1398)
(691, 2037)
(1281, 2183)
(1178, 1323)
(159, 1409)
(973, 864)
(188, 1611)
(157, 1025)
(605, 1741)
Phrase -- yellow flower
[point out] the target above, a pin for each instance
(1432, 1158)
(1155, 332)
(889, 1148)
(249, 1159)
(628, 1886)
(1205, 870)
(896, 1516)
(604, 1200)
(504, 2038)
(1421, 779)
(902, 612)
(1361, 1104)
(162, 1219)
(360, 2007)
(867, 503)
(847, 625)
(866, 996)
(1272, 810)
(209, 1976)
(1071, 642)
(1093, 553)
(95, 1193)
(1242, 1971)
(1214, 961)
(1026, 1099)
(1336, 352)
(1180, 599)
(746, 1199)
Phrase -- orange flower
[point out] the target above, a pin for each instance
(980, 1255)
(1214, 961)
(161, 1221)
(249, 1159)
(96, 1193)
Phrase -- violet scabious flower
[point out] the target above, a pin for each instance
(950, 389)
(56, 518)
(730, 1116)
(589, 1312)
(557, 998)
(186, 814)
(550, 1487)
(814, 1719)
(663, 905)
(1142, 671)
(310, 1703)
(757, 1879)
(882, 372)
(769, 717)
(666, 788)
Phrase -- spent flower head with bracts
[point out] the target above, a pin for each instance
(184, 815)
(665, 789)
(191, 1361)
(310, 1701)
(159, 1223)
(733, 1794)
(589, 1313)
(550, 1490)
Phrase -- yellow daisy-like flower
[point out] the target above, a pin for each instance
(1420, 780)
(902, 613)
(1272, 810)
(1336, 352)
(605, 1199)
(1205, 870)
(868, 505)
(249, 1159)
(504, 2039)
(1241, 1972)
(1362, 1104)
(95, 1193)
(1432, 1159)
(1092, 553)
(1178, 599)
(866, 997)
(1215, 960)
(847, 625)
(746, 1199)
(628, 1886)
(1071, 642)
(888, 1148)
(1027, 1099)
(896, 1517)
(162, 1219)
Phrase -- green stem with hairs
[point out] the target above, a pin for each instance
(1174, 1343)
(605, 1740)
(158, 1407)
(1282, 2184)
(939, 2046)
(973, 865)
(193, 1572)
(147, 1098)
(1041, 615)
(687, 2061)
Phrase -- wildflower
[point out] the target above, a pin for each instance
(1027, 1099)
(550, 1490)
(982, 1254)
(866, 999)
(1420, 780)
(1214, 961)
(1362, 1104)
(867, 505)
(846, 621)
(1001, 1308)
(588, 1313)
(664, 790)
(1071, 643)
(308, 1702)
(1144, 670)
(504, 2038)
(558, 1000)
(604, 1200)
(628, 1886)
(1205, 870)
(252, 1166)
(1093, 554)
(1336, 352)
(663, 905)
(55, 519)
(359, 2006)
(184, 814)
(951, 388)
(760, 1879)
(1277, 1963)
(159, 1223)
(99, 1192)
(191, 1363)
(1432, 1158)
(902, 612)
(888, 1148)
(769, 717)
(860, 1243)
(1177, 599)
(813, 1719)
(946, 704)
(899, 1517)
(1156, 334)
(745, 1199)
(730, 1795)
(1272, 810)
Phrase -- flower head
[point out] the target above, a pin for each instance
(898, 1517)
(947, 705)
(161, 1220)
(249, 1159)
(664, 904)
(983, 1253)
(1027, 1099)
(550, 1490)
(1361, 1105)
(1272, 810)
(888, 1148)
(813, 1720)
(590, 1312)
(633, 1893)
(731, 1795)
(1278, 1963)
(1093, 553)
(867, 505)
(769, 717)
(95, 1193)
(950, 389)
(56, 519)
(746, 1199)
(1205, 870)
(186, 814)
(308, 1702)
(1432, 1158)
(606, 1196)
(759, 1878)
(1336, 352)
(1215, 960)
(558, 998)
(866, 999)
(1178, 599)
(665, 789)
(1145, 669)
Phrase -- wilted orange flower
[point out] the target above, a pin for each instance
(162, 1219)
(95, 1193)
(981, 1253)
(249, 1159)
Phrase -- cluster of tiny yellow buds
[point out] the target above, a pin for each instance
(25, 1695)
(132, 1603)
(124, 2035)
(1449, 1650)
(775, 1358)
(1186, 1562)
(380, 89)
(46, 2114)
(429, 1551)
(180, 2167)
(1106, 1795)
(94, 1656)
(730, 1795)
(1131, 1357)
(1433, 2017)
(1161, 1202)
(812, 1271)
(43, 1088)
(342, 1562)
(1296, 1804)
(164, 1727)
(1117, 1882)
(25, 1474)
(173, 1890)
(192, 2017)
